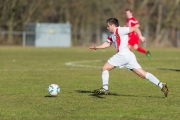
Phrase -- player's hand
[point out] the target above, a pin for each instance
(92, 48)
(143, 39)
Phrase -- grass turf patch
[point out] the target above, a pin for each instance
(26, 74)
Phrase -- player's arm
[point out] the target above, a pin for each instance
(135, 29)
(104, 45)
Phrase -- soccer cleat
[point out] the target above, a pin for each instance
(148, 55)
(165, 89)
(101, 91)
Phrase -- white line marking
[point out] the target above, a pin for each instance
(78, 63)
(23, 70)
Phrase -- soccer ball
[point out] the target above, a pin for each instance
(53, 89)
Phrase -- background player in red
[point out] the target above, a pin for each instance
(133, 37)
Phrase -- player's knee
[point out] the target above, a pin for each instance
(103, 68)
(135, 47)
(142, 75)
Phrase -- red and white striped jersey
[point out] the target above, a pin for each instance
(119, 38)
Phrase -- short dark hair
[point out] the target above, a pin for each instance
(128, 10)
(113, 21)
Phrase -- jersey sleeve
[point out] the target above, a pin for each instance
(133, 22)
(123, 30)
(109, 39)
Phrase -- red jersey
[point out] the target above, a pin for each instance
(133, 37)
(131, 22)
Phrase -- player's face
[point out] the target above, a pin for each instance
(110, 27)
(128, 14)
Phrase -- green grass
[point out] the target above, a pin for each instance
(26, 73)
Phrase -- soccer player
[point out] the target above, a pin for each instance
(124, 57)
(133, 37)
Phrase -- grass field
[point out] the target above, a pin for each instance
(26, 73)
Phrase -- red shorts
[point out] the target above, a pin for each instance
(133, 39)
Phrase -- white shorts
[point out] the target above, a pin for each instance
(127, 60)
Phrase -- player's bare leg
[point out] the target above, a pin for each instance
(135, 46)
(105, 78)
(141, 73)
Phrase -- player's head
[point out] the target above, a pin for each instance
(128, 13)
(112, 23)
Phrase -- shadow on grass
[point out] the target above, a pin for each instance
(94, 94)
(90, 93)
(50, 96)
(112, 94)
(171, 69)
(102, 96)
(140, 96)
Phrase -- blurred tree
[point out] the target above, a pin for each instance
(159, 19)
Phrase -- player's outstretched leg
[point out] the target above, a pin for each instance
(141, 73)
